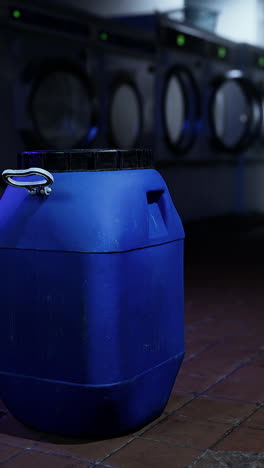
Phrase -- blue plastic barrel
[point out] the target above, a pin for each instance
(92, 326)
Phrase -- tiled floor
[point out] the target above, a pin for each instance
(215, 415)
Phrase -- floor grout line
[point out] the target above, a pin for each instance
(221, 378)
(229, 431)
(207, 348)
(50, 452)
(46, 452)
(171, 443)
(139, 435)
(116, 450)
(225, 398)
(13, 456)
(72, 457)
(100, 464)
(16, 445)
(165, 416)
(194, 462)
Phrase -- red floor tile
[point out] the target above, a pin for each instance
(204, 330)
(243, 439)
(31, 459)
(187, 431)
(148, 426)
(231, 350)
(218, 361)
(245, 340)
(195, 345)
(6, 452)
(102, 466)
(243, 390)
(192, 383)
(149, 454)
(251, 373)
(258, 361)
(209, 366)
(224, 411)
(256, 420)
(176, 400)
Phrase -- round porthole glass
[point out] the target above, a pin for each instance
(61, 109)
(231, 113)
(174, 109)
(125, 116)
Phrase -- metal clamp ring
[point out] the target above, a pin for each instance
(34, 188)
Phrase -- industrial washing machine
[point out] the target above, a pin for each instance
(191, 146)
(233, 120)
(48, 81)
(252, 164)
(127, 65)
(206, 180)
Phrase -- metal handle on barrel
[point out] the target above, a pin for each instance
(39, 187)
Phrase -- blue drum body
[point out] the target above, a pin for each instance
(92, 330)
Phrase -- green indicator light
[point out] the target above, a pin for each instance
(261, 61)
(180, 39)
(221, 51)
(103, 36)
(16, 14)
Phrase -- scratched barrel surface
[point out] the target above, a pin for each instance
(92, 331)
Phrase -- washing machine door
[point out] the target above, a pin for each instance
(62, 107)
(125, 113)
(236, 112)
(180, 110)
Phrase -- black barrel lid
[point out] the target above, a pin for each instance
(83, 160)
